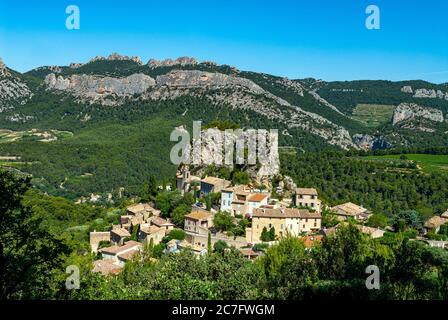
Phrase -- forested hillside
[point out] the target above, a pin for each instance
(89, 128)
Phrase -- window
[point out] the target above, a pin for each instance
(312, 204)
(313, 197)
(306, 220)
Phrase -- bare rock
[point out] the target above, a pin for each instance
(182, 61)
(407, 111)
(407, 89)
(89, 86)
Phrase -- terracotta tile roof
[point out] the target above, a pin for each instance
(249, 253)
(121, 232)
(310, 241)
(106, 267)
(350, 208)
(286, 213)
(198, 215)
(306, 191)
(117, 249)
(257, 197)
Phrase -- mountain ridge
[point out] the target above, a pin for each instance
(120, 95)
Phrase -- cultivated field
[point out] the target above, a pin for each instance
(373, 115)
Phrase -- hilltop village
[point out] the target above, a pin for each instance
(247, 217)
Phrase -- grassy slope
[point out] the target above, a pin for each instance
(373, 115)
(427, 162)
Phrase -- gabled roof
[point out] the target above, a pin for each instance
(310, 241)
(151, 229)
(444, 215)
(306, 191)
(160, 222)
(286, 213)
(127, 255)
(350, 208)
(213, 180)
(116, 250)
(121, 232)
(249, 252)
(106, 267)
(435, 222)
(198, 215)
(257, 197)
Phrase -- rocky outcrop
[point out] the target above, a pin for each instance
(368, 142)
(13, 91)
(407, 89)
(294, 86)
(195, 78)
(118, 57)
(245, 94)
(75, 65)
(95, 87)
(409, 111)
(430, 94)
(182, 61)
(210, 149)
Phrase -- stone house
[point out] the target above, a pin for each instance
(118, 235)
(307, 197)
(350, 210)
(242, 201)
(213, 185)
(198, 221)
(96, 237)
(106, 267)
(434, 223)
(164, 224)
(148, 232)
(185, 181)
(120, 254)
(284, 221)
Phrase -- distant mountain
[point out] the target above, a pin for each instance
(120, 111)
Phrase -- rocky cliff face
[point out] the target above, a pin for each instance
(195, 78)
(118, 57)
(95, 87)
(182, 61)
(431, 94)
(13, 91)
(425, 93)
(369, 142)
(409, 111)
(210, 149)
(243, 94)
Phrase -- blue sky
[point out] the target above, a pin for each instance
(297, 39)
